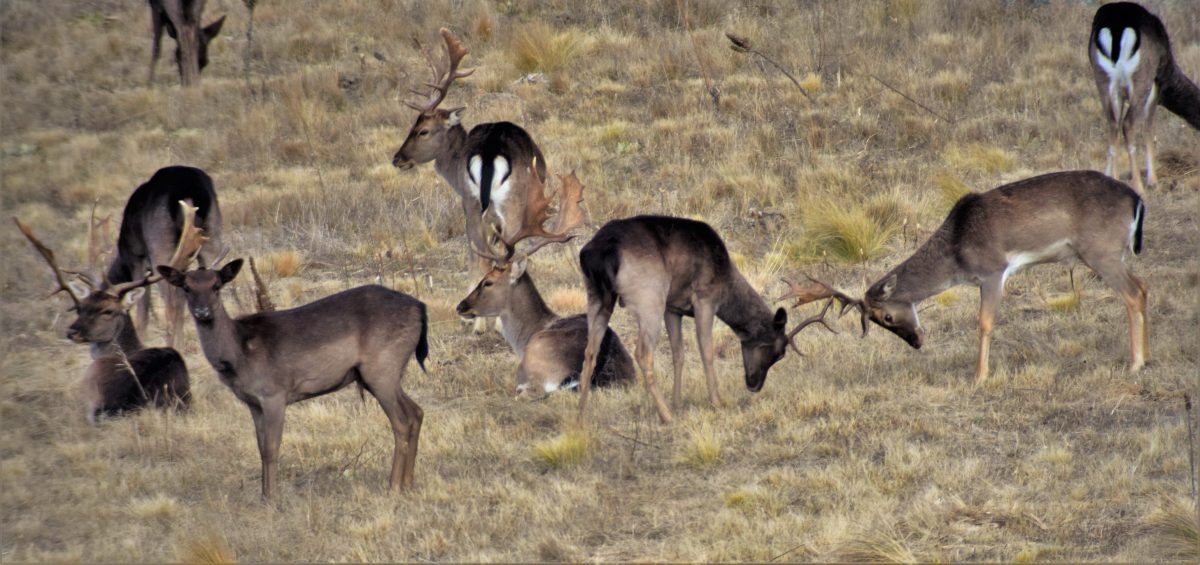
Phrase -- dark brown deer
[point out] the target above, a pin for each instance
(549, 347)
(988, 237)
(1135, 71)
(181, 20)
(150, 228)
(662, 269)
(482, 166)
(123, 375)
(364, 335)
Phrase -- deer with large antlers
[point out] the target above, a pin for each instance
(124, 375)
(181, 20)
(482, 166)
(662, 269)
(549, 347)
(364, 335)
(1135, 71)
(987, 237)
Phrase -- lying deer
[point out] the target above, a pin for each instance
(988, 237)
(124, 375)
(482, 166)
(549, 347)
(181, 20)
(1135, 71)
(364, 335)
(664, 268)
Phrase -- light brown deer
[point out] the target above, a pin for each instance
(987, 237)
(549, 347)
(181, 20)
(124, 375)
(1135, 71)
(364, 335)
(664, 268)
(482, 166)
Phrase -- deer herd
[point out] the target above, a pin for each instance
(661, 268)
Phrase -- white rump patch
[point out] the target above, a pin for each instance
(1056, 251)
(500, 184)
(549, 387)
(1105, 40)
(474, 173)
(1121, 68)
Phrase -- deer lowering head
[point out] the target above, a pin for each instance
(987, 237)
(181, 20)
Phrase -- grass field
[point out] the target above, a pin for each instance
(864, 450)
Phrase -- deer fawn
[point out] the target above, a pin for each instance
(272, 359)
(1135, 71)
(482, 166)
(664, 268)
(549, 347)
(181, 19)
(988, 237)
(123, 374)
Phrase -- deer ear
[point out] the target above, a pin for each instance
(173, 276)
(889, 285)
(454, 116)
(780, 319)
(130, 298)
(230, 270)
(79, 288)
(213, 29)
(517, 270)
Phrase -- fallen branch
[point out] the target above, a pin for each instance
(742, 45)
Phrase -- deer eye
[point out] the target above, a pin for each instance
(487, 284)
(887, 318)
(423, 133)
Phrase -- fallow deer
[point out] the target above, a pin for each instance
(1135, 71)
(150, 230)
(364, 335)
(124, 375)
(988, 237)
(549, 347)
(181, 19)
(664, 268)
(482, 166)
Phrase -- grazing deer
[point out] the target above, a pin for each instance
(123, 374)
(1135, 71)
(549, 347)
(664, 268)
(481, 166)
(272, 359)
(988, 237)
(181, 19)
(150, 230)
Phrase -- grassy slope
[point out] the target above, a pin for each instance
(865, 449)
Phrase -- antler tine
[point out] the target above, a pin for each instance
(191, 239)
(818, 290)
(818, 319)
(48, 256)
(569, 217)
(444, 73)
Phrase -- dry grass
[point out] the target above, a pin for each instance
(863, 450)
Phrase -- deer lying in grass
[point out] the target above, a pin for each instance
(482, 166)
(181, 20)
(272, 359)
(549, 347)
(663, 269)
(988, 237)
(1135, 71)
(124, 375)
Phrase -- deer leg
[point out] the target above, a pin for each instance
(1112, 109)
(648, 331)
(1148, 133)
(1132, 126)
(143, 313)
(597, 316)
(704, 338)
(415, 417)
(1133, 292)
(989, 300)
(674, 324)
(268, 429)
(156, 29)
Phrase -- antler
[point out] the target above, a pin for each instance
(817, 290)
(48, 256)
(818, 319)
(191, 239)
(444, 72)
(537, 212)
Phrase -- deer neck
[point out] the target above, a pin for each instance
(744, 310)
(126, 341)
(526, 314)
(218, 339)
(451, 162)
(929, 271)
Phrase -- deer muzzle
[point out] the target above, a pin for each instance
(464, 311)
(202, 313)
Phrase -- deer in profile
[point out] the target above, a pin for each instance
(124, 375)
(364, 335)
(482, 166)
(151, 225)
(987, 237)
(662, 269)
(1135, 71)
(181, 20)
(549, 347)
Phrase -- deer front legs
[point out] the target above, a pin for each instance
(597, 316)
(268, 430)
(704, 326)
(989, 299)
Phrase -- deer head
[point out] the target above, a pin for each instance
(427, 137)
(202, 287)
(896, 316)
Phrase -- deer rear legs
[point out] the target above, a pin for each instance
(674, 323)
(598, 316)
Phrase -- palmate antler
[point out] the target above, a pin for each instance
(537, 211)
(444, 72)
(191, 239)
(816, 290)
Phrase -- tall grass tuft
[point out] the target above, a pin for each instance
(566, 450)
(949, 189)
(537, 47)
(206, 549)
(1176, 528)
(876, 545)
(702, 450)
(848, 234)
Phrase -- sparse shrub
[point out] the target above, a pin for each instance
(537, 47)
(158, 507)
(978, 158)
(876, 545)
(206, 549)
(1068, 302)
(285, 264)
(563, 451)
(844, 233)
(951, 86)
(567, 300)
(811, 83)
(1176, 530)
(703, 448)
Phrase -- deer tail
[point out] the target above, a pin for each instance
(1139, 216)
(423, 342)
(1179, 94)
(600, 265)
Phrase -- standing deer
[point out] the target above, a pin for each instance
(181, 19)
(123, 374)
(988, 237)
(1135, 71)
(273, 359)
(481, 166)
(664, 268)
(549, 347)
(150, 229)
